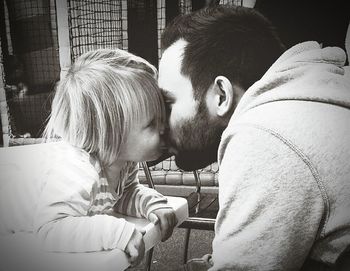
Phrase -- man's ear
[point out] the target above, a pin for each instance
(221, 97)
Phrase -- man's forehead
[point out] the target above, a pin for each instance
(176, 87)
(170, 65)
(175, 50)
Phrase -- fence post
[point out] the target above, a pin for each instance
(63, 36)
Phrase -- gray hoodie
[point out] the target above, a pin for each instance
(284, 180)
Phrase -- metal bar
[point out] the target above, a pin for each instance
(148, 175)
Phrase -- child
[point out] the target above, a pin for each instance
(108, 114)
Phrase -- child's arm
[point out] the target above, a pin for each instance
(167, 220)
(138, 200)
(141, 201)
(61, 218)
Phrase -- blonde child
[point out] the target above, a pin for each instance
(108, 115)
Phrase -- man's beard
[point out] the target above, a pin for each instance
(197, 141)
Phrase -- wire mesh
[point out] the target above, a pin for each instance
(31, 65)
(32, 28)
(161, 21)
(231, 2)
(97, 24)
(185, 6)
(167, 173)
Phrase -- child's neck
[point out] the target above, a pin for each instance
(113, 172)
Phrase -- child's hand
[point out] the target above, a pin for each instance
(167, 219)
(135, 249)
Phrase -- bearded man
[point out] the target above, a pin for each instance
(277, 122)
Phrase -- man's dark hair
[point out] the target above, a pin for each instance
(232, 41)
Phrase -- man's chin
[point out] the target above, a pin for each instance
(190, 162)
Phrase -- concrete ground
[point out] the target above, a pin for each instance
(168, 256)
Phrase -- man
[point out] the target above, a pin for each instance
(278, 123)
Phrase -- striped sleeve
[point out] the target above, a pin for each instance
(61, 219)
(138, 200)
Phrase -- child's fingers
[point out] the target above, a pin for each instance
(167, 220)
(167, 226)
(133, 254)
(135, 248)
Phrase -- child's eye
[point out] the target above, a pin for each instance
(168, 101)
(151, 123)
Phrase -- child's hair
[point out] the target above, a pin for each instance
(103, 92)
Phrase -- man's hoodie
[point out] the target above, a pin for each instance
(284, 161)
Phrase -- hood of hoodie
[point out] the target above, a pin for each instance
(304, 72)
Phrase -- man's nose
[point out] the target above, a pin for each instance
(164, 127)
(165, 130)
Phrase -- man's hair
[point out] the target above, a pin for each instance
(232, 41)
(103, 92)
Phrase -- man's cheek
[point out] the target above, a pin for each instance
(175, 134)
(186, 110)
(178, 118)
(173, 121)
